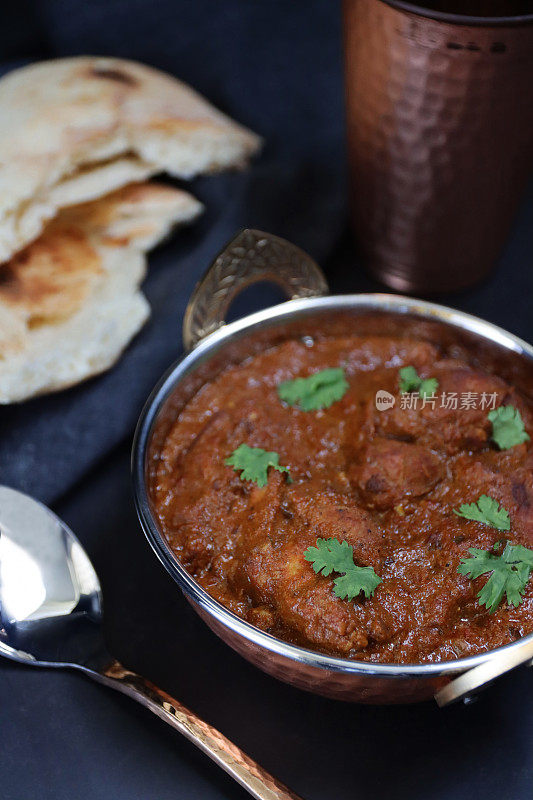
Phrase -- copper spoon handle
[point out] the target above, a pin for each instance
(259, 783)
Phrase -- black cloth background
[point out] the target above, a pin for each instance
(276, 66)
(261, 64)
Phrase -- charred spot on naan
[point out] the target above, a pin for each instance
(113, 74)
(51, 278)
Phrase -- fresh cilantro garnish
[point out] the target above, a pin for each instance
(254, 463)
(411, 382)
(319, 390)
(485, 510)
(329, 556)
(510, 574)
(507, 427)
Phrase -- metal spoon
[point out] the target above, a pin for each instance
(51, 616)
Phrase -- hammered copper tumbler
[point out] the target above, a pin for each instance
(440, 139)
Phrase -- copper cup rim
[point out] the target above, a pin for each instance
(511, 20)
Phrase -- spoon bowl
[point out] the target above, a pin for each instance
(50, 597)
(51, 616)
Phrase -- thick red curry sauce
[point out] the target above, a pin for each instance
(384, 481)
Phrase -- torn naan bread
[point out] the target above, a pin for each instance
(70, 301)
(75, 129)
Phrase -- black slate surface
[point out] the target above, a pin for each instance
(277, 67)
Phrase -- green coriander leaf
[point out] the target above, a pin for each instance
(329, 556)
(516, 584)
(507, 427)
(482, 562)
(428, 387)
(487, 511)
(517, 553)
(509, 574)
(357, 580)
(411, 382)
(319, 390)
(492, 593)
(253, 462)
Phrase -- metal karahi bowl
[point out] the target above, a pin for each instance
(212, 345)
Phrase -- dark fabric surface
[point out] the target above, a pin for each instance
(275, 66)
(278, 82)
(64, 738)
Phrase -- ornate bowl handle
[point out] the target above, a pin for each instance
(471, 681)
(250, 257)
